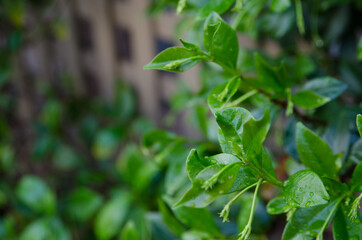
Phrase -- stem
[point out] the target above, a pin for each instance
(242, 98)
(225, 212)
(300, 20)
(247, 230)
(210, 182)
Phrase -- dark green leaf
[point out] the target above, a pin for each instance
(169, 219)
(195, 164)
(35, 194)
(221, 41)
(315, 153)
(222, 94)
(344, 228)
(306, 223)
(304, 189)
(175, 59)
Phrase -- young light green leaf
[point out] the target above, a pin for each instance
(176, 59)
(191, 46)
(221, 42)
(83, 203)
(222, 94)
(359, 124)
(35, 194)
(304, 189)
(218, 6)
(111, 216)
(309, 99)
(307, 223)
(315, 153)
(279, 5)
(244, 134)
(277, 206)
(356, 181)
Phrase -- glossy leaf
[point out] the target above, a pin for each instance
(221, 42)
(304, 189)
(176, 59)
(234, 178)
(306, 223)
(344, 228)
(243, 133)
(315, 153)
(34, 193)
(221, 95)
(111, 216)
(277, 206)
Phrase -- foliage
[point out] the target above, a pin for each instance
(298, 99)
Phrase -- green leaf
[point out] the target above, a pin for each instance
(35, 194)
(111, 216)
(195, 235)
(44, 229)
(105, 144)
(277, 206)
(315, 153)
(195, 164)
(309, 99)
(191, 46)
(83, 203)
(129, 232)
(176, 59)
(279, 5)
(306, 223)
(233, 178)
(304, 189)
(169, 219)
(219, 6)
(344, 228)
(272, 79)
(221, 42)
(356, 181)
(195, 218)
(359, 50)
(318, 92)
(359, 124)
(221, 95)
(244, 134)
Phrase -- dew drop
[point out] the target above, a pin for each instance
(221, 192)
(230, 177)
(311, 194)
